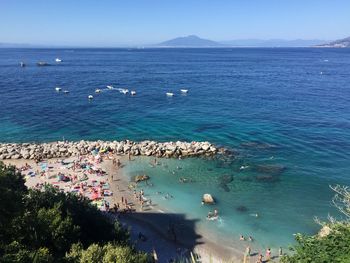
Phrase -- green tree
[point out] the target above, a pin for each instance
(44, 225)
(12, 191)
(332, 243)
(123, 254)
(108, 253)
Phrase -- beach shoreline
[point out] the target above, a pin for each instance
(205, 249)
(153, 220)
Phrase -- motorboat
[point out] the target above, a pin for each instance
(22, 64)
(58, 89)
(97, 91)
(110, 87)
(42, 63)
(133, 93)
(66, 91)
(184, 90)
(169, 94)
(90, 97)
(124, 91)
(58, 60)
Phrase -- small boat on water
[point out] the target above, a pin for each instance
(66, 91)
(169, 94)
(97, 91)
(58, 89)
(58, 60)
(133, 93)
(110, 87)
(90, 97)
(42, 64)
(22, 64)
(124, 91)
(184, 90)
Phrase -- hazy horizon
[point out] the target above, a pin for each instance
(141, 23)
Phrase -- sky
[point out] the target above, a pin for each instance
(142, 22)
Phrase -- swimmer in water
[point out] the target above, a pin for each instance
(241, 238)
(216, 213)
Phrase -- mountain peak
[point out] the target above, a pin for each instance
(189, 41)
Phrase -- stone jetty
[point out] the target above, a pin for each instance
(63, 149)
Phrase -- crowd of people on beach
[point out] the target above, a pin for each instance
(81, 175)
(84, 176)
(260, 259)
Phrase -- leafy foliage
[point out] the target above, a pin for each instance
(105, 254)
(51, 226)
(332, 244)
(12, 191)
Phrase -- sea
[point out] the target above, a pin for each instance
(284, 114)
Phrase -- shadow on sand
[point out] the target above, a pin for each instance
(170, 235)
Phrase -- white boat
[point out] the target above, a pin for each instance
(58, 60)
(90, 97)
(66, 91)
(97, 91)
(22, 64)
(169, 94)
(124, 91)
(184, 90)
(133, 93)
(42, 64)
(58, 89)
(110, 87)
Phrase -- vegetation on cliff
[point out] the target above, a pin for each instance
(51, 226)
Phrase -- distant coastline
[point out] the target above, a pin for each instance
(193, 41)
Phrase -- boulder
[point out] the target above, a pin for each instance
(208, 199)
(140, 178)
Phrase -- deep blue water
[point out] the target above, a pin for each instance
(287, 108)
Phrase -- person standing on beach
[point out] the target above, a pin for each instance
(247, 254)
(280, 252)
(260, 257)
(268, 254)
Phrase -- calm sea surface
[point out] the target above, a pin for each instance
(284, 112)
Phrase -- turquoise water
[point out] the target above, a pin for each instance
(286, 108)
(284, 205)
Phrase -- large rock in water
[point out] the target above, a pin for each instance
(140, 178)
(226, 178)
(208, 199)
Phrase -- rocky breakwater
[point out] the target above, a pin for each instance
(63, 149)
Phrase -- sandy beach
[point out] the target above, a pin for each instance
(100, 177)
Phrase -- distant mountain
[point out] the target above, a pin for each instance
(14, 45)
(341, 43)
(273, 43)
(189, 41)
(195, 41)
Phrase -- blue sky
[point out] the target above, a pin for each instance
(137, 22)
